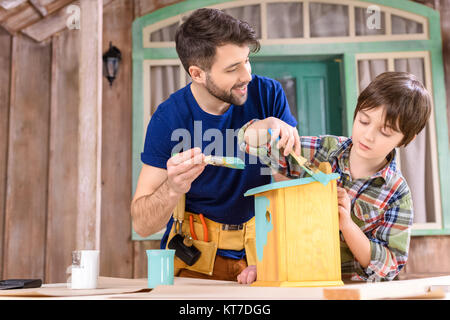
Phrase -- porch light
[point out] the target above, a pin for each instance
(111, 60)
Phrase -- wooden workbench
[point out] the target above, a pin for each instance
(199, 289)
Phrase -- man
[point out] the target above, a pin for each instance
(214, 49)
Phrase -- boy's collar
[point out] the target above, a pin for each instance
(389, 169)
(341, 155)
(386, 173)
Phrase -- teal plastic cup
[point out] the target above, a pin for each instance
(160, 267)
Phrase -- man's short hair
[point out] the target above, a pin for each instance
(406, 102)
(204, 30)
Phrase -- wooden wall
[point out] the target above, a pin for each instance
(63, 162)
(41, 149)
(39, 92)
(5, 85)
(116, 246)
(39, 98)
(25, 210)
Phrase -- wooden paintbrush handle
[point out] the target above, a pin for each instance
(300, 160)
(214, 160)
(207, 159)
(178, 212)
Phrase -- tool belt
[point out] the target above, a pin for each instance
(219, 236)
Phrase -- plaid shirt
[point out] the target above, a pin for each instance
(381, 204)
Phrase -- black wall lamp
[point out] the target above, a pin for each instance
(111, 60)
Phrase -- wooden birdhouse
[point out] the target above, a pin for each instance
(297, 232)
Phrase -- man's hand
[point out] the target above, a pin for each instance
(344, 206)
(289, 138)
(247, 276)
(183, 169)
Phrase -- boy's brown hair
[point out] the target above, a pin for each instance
(205, 29)
(407, 104)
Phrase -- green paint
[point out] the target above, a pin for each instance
(286, 183)
(309, 49)
(347, 71)
(406, 5)
(173, 10)
(138, 129)
(313, 91)
(351, 90)
(345, 47)
(229, 162)
(442, 134)
(263, 225)
(431, 232)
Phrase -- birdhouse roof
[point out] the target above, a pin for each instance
(287, 183)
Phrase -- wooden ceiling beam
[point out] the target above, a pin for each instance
(53, 23)
(48, 26)
(53, 6)
(11, 4)
(38, 19)
(26, 14)
(38, 7)
(6, 14)
(3, 14)
(12, 33)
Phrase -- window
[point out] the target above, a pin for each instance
(307, 19)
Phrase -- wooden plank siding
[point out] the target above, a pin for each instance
(429, 254)
(63, 161)
(5, 81)
(116, 250)
(27, 170)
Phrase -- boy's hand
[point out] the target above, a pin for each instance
(344, 206)
(247, 276)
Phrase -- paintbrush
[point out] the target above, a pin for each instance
(313, 171)
(229, 162)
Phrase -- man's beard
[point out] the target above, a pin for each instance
(223, 95)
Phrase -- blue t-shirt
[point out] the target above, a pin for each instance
(179, 124)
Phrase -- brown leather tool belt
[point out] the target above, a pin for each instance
(219, 236)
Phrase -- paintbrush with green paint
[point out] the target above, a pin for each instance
(229, 162)
(313, 171)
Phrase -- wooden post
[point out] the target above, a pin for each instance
(5, 91)
(90, 125)
(27, 160)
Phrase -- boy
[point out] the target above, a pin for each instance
(375, 205)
